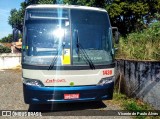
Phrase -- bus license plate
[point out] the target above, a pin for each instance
(71, 96)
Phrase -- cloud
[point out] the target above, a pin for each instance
(3, 34)
(4, 12)
(4, 27)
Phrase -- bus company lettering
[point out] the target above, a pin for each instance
(55, 80)
(107, 72)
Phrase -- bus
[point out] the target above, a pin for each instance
(67, 54)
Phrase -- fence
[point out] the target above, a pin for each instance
(140, 79)
(9, 60)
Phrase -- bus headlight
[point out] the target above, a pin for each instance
(106, 80)
(32, 82)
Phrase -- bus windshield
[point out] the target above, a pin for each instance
(48, 31)
(92, 28)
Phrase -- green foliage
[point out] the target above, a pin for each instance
(143, 45)
(93, 3)
(46, 1)
(130, 16)
(5, 50)
(7, 39)
(132, 104)
(17, 16)
(30, 2)
(119, 96)
(127, 15)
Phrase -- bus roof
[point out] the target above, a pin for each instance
(65, 6)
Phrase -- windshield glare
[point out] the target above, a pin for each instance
(48, 32)
(44, 37)
(94, 35)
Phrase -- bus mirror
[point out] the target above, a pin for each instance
(116, 49)
(117, 35)
(15, 35)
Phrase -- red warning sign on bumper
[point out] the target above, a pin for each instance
(71, 96)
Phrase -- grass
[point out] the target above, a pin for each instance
(132, 104)
(144, 45)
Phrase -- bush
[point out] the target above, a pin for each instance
(5, 50)
(143, 45)
(7, 39)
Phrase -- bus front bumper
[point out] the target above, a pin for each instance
(48, 95)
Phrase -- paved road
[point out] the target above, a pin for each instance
(11, 98)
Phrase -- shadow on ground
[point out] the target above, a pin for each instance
(68, 109)
(59, 107)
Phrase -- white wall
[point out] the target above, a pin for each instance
(9, 60)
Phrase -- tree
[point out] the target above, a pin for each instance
(5, 50)
(93, 3)
(134, 15)
(17, 16)
(7, 39)
(127, 15)
(30, 2)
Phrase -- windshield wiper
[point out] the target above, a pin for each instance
(56, 56)
(53, 61)
(86, 57)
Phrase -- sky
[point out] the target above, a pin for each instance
(5, 8)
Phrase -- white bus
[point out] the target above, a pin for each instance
(67, 54)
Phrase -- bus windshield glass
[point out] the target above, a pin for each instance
(91, 29)
(46, 32)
